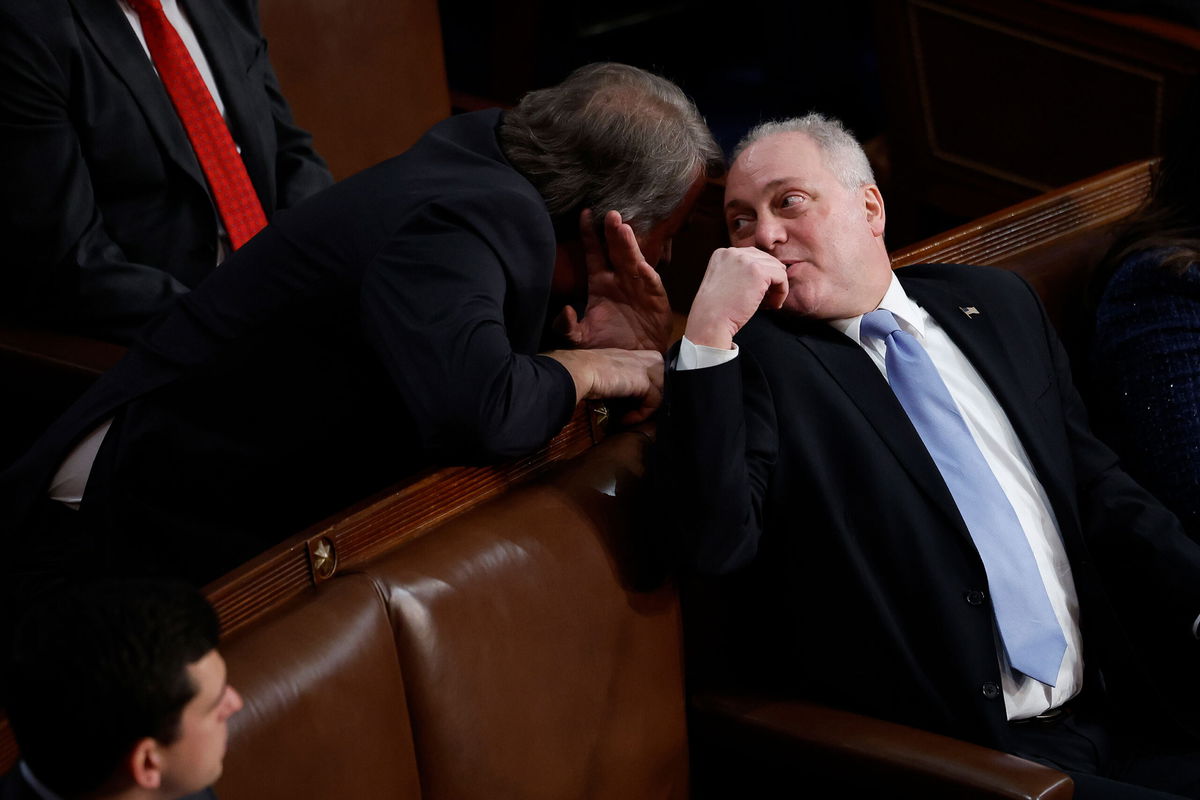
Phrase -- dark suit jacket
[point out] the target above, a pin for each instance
(389, 323)
(104, 212)
(795, 468)
(14, 787)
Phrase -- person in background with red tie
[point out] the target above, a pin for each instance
(451, 305)
(142, 141)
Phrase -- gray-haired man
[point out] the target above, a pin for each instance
(393, 322)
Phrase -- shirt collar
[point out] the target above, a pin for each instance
(908, 314)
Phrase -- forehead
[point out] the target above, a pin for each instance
(208, 676)
(774, 159)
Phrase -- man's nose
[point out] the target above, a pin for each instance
(234, 702)
(769, 232)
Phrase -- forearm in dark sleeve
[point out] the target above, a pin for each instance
(434, 310)
(716, 448)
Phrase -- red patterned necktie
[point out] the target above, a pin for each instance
(232, 191)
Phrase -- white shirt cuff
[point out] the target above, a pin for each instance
(699, 356)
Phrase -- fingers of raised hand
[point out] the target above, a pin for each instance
(738, 281)
(624, 252)
(744, 272)
(569, 326)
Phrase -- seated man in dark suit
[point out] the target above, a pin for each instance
(132, 166)
(896, 468)
(393, 322)
(116, 690)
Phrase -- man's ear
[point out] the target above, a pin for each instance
(873, 205)
(145, 764)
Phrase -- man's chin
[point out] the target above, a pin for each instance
(801, 305)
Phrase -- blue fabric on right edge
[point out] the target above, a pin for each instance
(1146, 368)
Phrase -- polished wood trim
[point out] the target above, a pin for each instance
(1150, 26)
(1085, 205)
(811, 738)
(1083, 53)
(991, 102)
(383, 522)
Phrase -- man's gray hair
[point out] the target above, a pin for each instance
(611, 136)
(840, 151)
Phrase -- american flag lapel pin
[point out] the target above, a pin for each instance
(970, 311)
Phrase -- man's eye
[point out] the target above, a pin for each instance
(737, 224)
(792, 200)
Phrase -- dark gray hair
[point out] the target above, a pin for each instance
(840, 151)
(611, 136)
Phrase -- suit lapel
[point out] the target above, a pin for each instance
(109, 30)
(853, 370)
(980, 336)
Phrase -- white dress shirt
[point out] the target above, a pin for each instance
(184, 28)
(1023, 696)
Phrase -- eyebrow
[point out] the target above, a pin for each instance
(769, 187)
(220, 695)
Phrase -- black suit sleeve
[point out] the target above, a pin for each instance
(62, 268)
(435, 310)
(717, 445)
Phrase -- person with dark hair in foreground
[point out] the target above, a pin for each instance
(396, 321)
(894, 472)
(116, 690)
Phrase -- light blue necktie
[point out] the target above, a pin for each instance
(1028, 627)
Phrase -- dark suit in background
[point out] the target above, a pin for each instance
(104, 212)
(13, 786)
(388, 323)
(796, 465)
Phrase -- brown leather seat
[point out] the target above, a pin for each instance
(532, 670)
(325, 709)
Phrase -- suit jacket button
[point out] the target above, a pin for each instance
(975, 597)
(990, 690)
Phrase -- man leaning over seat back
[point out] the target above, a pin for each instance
(395, 322)
(914, 494)
(116, 690)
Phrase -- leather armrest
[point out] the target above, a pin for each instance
(820, 744)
